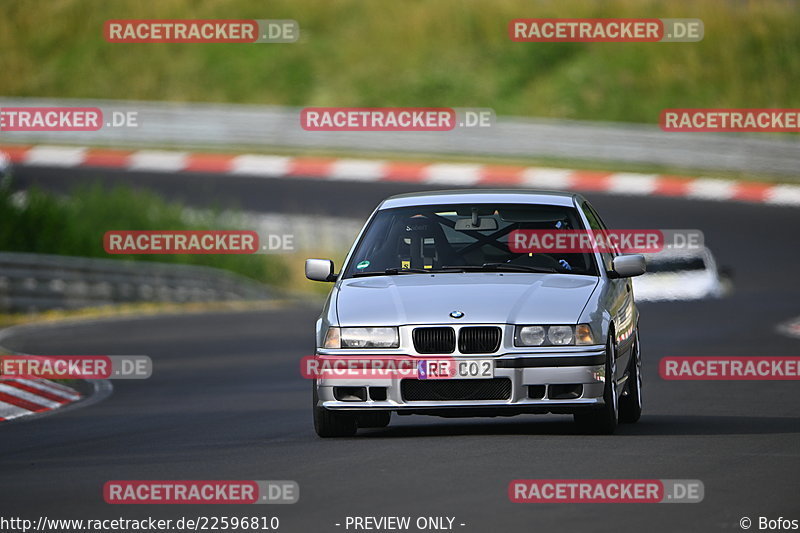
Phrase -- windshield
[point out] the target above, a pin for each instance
(463, 237)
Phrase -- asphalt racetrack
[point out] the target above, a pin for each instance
(226, 399)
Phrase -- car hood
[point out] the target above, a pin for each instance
(485, 297)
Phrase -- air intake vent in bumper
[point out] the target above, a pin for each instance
(455, 389)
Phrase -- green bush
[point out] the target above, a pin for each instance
(41, 222)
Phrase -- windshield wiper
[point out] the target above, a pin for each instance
(406, 271)
(398, 271)
(506, 266)
(519, 268)
(390, 272)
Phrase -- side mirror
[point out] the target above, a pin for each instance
(628, 266)
(320, 270)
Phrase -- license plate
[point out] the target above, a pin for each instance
(455, 369)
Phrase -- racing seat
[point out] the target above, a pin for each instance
(417, 242)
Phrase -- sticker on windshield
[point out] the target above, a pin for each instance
(362, 265)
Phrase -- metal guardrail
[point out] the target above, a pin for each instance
(37, 282)
(232, 126)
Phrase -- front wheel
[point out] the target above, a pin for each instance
(630, 405)
(329, 423)
(603, 421)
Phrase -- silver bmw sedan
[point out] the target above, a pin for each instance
(438, 310)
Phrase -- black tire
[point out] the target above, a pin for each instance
(603, 421)
(374, 419)
(330, 423)
(630, 404)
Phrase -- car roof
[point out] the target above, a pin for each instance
(471, 196)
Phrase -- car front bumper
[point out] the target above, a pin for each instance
(538, 381)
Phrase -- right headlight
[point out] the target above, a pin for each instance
(362, 338)
(557, 335)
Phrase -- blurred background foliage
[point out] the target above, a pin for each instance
(454, 53)
(37, 221)
(413, 52)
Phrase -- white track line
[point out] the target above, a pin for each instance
(158, 160)
(261, 165)
(452, 174)
(358, 170)
(547, 178)
(631, 183)
(55, 156)
(711, 189)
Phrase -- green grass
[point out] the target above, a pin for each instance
(41, 222)
(415, 52)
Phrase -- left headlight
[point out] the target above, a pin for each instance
(362, 338)
(553, 335)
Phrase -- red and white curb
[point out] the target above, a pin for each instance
(444, 174)
(22, 397)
